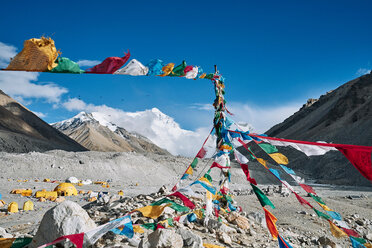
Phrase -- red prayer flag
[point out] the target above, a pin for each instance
(158, 226)
(302, 200)
(215, 164)
(307, 188)
(77, 239)
(201, 153)
(360, 158)
(246, 172)
(350, 232)
(109, 65)
(184, 199)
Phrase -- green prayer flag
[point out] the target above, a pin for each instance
(150, 226)
(21, 242)
(170, 221)
(360, 240)
(66, 65)
(209, 76)
(175, 206)
(268, 148)
(250, 154)
(207, 176)
(194, 163)
(262, 197)
(161, 201)
(317, 198)
(178, 71)
(321, 214)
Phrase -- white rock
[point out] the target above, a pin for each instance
(162, 238)
(224, 238)
(66, 218)
(4, 234)
(86, 182)
(190, 239)
(72, 180)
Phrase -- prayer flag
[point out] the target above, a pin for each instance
(152, 212)
(184, 199)
(279, 158)
(270, 223)
(268, 148)
(337, 232)
(287, 170)
(201, 153)
(133, 68)
(125, 229)
(302, 200)
(283, 243)
(307, 188)
(321, 214)
(138, 229)
(262, 197)
(194, 163)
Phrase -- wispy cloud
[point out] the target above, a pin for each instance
(362, 71)
(41, 115)
(6, 52)
(85, 62)
(21, 85)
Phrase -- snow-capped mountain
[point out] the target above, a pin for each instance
(95, 132)
(156, 126)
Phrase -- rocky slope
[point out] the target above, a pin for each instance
(22, 131)
(340, 116)
(87, 130)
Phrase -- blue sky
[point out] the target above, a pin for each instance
(274, 54)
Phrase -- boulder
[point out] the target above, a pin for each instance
(190, 239)
(325, 241)
(5, 234)
(214, 225)
(224, 238)
(238, 220)
(66, 218)
(162, 238)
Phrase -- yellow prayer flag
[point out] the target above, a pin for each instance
(203, 75)
(138, 229)
(368, 245)
(189, 170)
(203, 179)
(279, 158)
(152, 212)
(325, 207)
(6, 242)
(167, 69)
(337, 232)
(211, 246)
(262, 161)
(199, 214)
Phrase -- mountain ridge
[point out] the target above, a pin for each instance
(342, 116)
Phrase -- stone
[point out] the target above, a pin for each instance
(325, 241)
(258, 217)
(86, 182)
(5, 234)
(162, 238)
(135, 241)
(65, 218)
(72, 180)
(238, 220)
(214, 225)
(224, 238)
(190, 239)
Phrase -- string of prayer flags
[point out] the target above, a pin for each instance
(262, 198)
(270, 223)
(359, 156)
(283, 243)
(109, 65)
